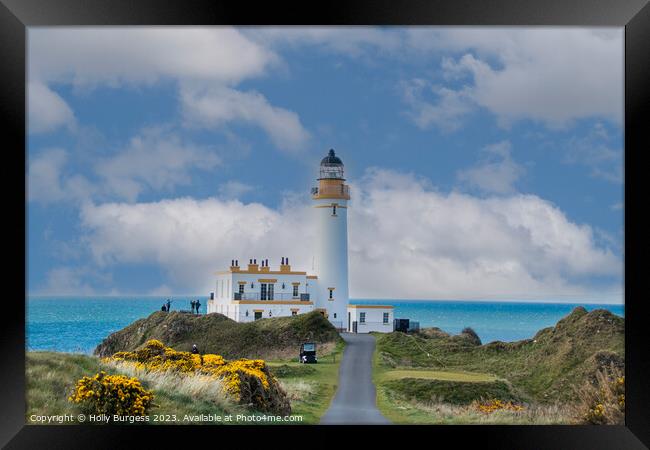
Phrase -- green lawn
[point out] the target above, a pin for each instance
(404, 397)
(434, 375)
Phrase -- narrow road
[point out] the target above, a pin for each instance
(355, 399)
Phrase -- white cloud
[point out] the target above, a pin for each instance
(217, 106)
(46, 109)
(595, 151)
(68, 280)
(406, 241)
(190, 239)
(205, 62)
(446, 112)
(350, 41)
(550, 75)
(47, 181)
(155, 159)
(496, 172)
(86, 57)
(234, 189)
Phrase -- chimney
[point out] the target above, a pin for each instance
(234, 265)
(285, 267)
(252, 266)
(265, 265)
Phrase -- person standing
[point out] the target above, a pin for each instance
(193, 303)
(169, 304)
(198, 305)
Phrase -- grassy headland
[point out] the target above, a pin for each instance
(271, 338)
(433, 377)
(51, 376)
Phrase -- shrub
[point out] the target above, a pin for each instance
(471, 335)
(247, 381)
(490, 406)
(602, 401)
(112, 394)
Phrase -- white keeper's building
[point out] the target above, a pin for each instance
(255, 291)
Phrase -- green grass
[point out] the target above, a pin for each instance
(545, 368)
(51, 377)
(432, 377)
(446, 391)
(274, 338)
(322, 377)
(436, 375)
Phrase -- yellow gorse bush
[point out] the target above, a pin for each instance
(601, 400)
(495, 404)
(112, 394)
(246, 380)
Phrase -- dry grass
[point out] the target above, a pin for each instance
(602, 399)
(298, 390)
(193, 386)
(445, 413)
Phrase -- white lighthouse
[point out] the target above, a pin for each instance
(331, 207)
(257, 291)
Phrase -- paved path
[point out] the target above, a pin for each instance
(354, 402)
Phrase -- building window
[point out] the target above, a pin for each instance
(258, 315)
(241, 288)
(263, 294)
(295, 291)
(335, 315)
(294, 313)
(385, 317)
(270, 295)
(333, 210)
(362, 317)
(331, 294)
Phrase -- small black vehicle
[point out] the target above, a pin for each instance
(308, 353)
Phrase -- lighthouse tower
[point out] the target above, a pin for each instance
(331, 206)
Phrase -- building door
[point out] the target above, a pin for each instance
(354, 326)
(270, 291)
(258, 315)
(349, 323)
(263, 291)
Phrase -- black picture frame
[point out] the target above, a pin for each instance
(16, 15)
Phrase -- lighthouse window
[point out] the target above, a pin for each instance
(331, 293)
(333, 210)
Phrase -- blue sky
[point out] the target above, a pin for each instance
(484, 162)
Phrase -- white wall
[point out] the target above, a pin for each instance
(331, 262)
(373, 320)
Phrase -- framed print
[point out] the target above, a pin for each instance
(281, 220)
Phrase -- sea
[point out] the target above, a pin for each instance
(79, 324)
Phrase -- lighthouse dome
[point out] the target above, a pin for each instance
(331, 159)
